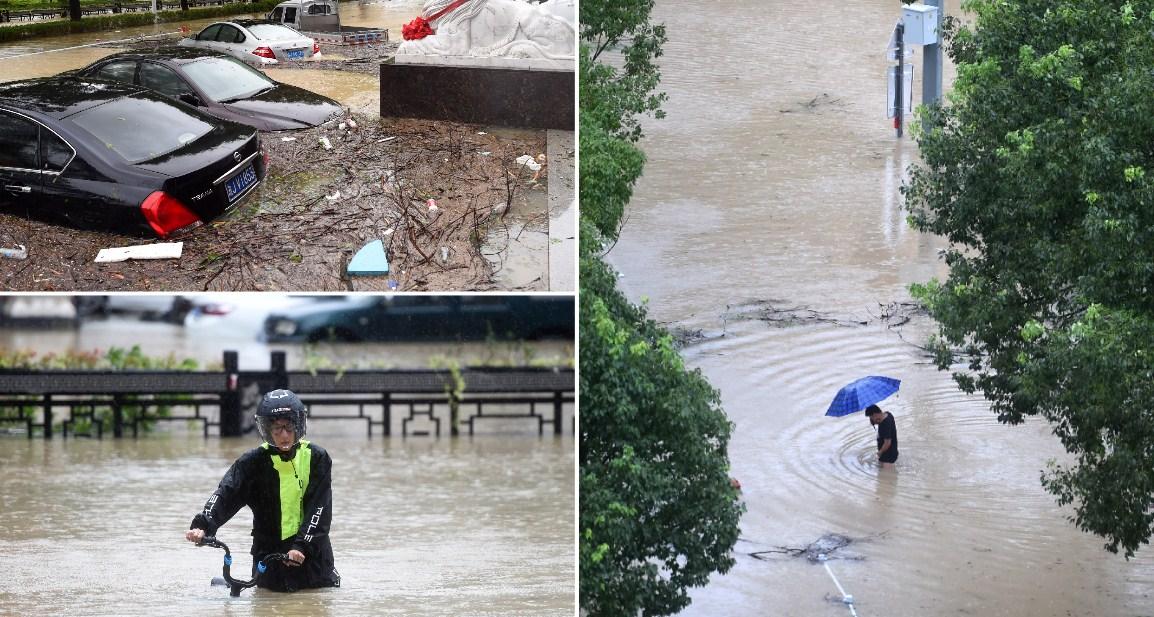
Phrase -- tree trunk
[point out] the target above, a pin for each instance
(74, 10)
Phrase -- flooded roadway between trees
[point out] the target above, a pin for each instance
(421, 525)
(769, 219)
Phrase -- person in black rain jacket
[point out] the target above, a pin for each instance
(287, 483)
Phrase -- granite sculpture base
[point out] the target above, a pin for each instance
(480, 91)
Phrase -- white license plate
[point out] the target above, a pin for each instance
(238, 184)
(295, 54)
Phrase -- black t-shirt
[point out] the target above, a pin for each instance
(888, 429)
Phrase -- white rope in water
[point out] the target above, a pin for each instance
(845, 597)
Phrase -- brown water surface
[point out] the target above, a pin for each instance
(773, 183)
(420, 527)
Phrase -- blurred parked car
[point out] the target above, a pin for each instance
(425, 318)
(102, 154)
(145, 305)
(255, 41)
(219, 85)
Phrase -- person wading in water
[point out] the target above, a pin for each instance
(287, 483)
(887, 434)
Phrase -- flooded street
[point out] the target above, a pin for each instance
(769, 219)
(420, 527)
(509, 250)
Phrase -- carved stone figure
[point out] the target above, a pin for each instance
(500, 28)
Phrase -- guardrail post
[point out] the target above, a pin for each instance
(117, 417)
(557, 406)
(48, 416)
(279, 372)
(230, 425)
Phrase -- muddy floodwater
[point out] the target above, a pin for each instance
(422, 526)
(768, 229)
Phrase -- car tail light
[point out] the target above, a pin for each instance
(264, 52)
(217, 309)
(167, 215)
(316, 48)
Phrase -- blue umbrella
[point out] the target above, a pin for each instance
(861, 394)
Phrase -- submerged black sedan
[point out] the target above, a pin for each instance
(219, 85)
(98, 154)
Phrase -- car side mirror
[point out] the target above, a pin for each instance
(190, 99)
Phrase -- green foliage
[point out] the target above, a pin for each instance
(658, 514)
(619, 75)
(1035, 172)
(610, 166)
(116, 359)
(96, 23)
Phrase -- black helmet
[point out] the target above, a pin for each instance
(280, 404)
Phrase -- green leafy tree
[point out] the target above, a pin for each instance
(1037, 173)
(658, 514)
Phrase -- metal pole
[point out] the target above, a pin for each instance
(230, 420)
(899, 79)
(932, 63)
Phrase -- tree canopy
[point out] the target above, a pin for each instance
(657, 514)
(1037, 172)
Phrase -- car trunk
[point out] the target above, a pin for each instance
(215, 172)
(285, 49)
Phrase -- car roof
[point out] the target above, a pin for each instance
(248, 23)
(60, 97)
(174, 54)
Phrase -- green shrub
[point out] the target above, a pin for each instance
(95, 23)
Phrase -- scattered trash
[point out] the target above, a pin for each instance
(341, 126)
(166, 250)
(20, 252)
(527, 160)
(484, 153)
(352, 123)
(370, 260)
(444, 254)
(482, 133)
(393, 284)
(389, 231)
(432, 203)
(381, 141)
(335, 196)
(325, 142)
(288, 138)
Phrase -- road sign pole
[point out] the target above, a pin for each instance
(899, 77)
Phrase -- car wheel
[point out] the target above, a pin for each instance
(86, 306)
(332, 335)
(181, 307)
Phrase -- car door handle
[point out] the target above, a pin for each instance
(18, 189)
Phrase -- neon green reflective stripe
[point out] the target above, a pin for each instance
(294, 481)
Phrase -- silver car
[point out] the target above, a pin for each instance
(255, 41)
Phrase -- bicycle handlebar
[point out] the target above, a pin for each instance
(236, 586)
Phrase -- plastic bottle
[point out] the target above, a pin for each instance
(20, 252)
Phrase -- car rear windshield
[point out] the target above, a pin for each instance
(273, 32)
(140, 129)
(222, 79)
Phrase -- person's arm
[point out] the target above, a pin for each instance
(318, 502)
(885, 446)
(222, 505)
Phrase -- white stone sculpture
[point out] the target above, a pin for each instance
(498, 29)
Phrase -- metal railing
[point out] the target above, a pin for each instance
(411, 402)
